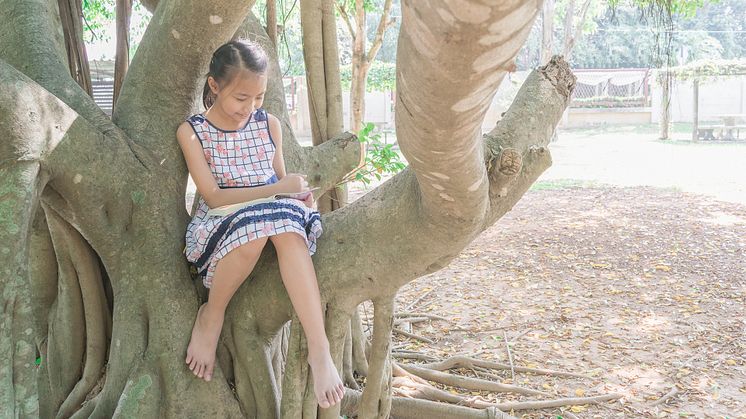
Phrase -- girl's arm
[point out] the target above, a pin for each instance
(278, 163)
(208, 187)
(275, 130)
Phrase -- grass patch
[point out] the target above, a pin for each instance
(548, 185)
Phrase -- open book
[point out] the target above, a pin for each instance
(231, 208)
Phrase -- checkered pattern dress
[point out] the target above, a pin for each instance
(239, 159)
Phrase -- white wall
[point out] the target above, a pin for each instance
(726, 96)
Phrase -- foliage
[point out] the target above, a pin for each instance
(381, 77)
(705, 69)
(289, 35)
(628, 35)
(98, 16)
(380, 158)
(609, 102)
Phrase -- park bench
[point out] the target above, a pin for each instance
(707, 131)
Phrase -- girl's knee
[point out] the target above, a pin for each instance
(288, 238)
(252, 249)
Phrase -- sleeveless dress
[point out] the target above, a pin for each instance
(239, 159)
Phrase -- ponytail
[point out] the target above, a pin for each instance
(233, 55)
(208, 97)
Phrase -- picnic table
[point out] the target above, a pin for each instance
(729, 128)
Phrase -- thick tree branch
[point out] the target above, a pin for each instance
(383, 24)
(346, 19)
(440, 108)
(378, 383)
(20, 183)
(90, 170)
(31, 41)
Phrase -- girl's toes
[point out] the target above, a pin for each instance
(323, 402)
(332, 396)
(208, 372)
(193, 365)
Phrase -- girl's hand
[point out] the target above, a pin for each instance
(293, 183)
(309, 201)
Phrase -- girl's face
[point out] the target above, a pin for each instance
(241, 96)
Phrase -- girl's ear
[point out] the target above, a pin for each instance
(214, 88)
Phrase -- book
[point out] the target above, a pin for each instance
(231, 208)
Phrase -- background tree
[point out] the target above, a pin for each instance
(95, 286)
(355, 15)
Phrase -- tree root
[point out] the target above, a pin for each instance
(337, 327)
(674, 391)
(412, 335)
(409, 385)
(359, 360)
(376, 400)
(296, 373)
(254, 376)
(468, 383)
(408, 408)
(97, 319)
(467, 362)
(404, 315)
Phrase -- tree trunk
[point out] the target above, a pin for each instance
(666, 81)
(324, 86)
(547, 31)
(71, 14)
(93, 217)
(272, 21)
(122, 60)
(572, 35)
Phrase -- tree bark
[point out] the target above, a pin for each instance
(547, 31)
(122, 59)
(324, 86)
(272, 21)
(112, 216)
(71, 13)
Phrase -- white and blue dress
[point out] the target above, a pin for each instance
(240, 159)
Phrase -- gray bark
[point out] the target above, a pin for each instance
(102, 203)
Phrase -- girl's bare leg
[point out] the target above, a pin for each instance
(299, 278)
(230, 273)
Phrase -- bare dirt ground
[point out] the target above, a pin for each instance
(626, 263)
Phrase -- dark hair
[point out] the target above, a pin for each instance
(228, 58)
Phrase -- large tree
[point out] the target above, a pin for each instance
(97, 298)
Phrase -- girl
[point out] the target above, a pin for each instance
(234, 154)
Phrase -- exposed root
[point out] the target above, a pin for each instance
(337, 328)
(296, 373)
(674, 391)
(97, 319)
(468, 383)
(376, 401)
(254, 376)
(359, 341)
(66, 338)
(408, 408)
(467, 362)
(412, 335)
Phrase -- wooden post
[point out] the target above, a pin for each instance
(695, 114)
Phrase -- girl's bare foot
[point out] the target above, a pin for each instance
(205, 333)
(327, 386)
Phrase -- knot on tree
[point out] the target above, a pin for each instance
(558, 72)
(503, 169)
